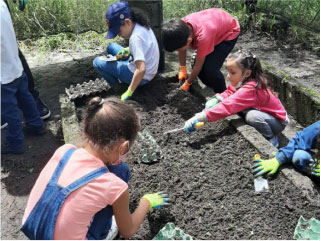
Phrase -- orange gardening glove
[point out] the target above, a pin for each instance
(182, 73)
(185, 86)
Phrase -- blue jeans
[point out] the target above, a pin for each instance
(301, 159)
(101, 222)
(211, 74)
(266, 124)
(115, 72)
(16, 95)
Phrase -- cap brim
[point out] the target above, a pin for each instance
(113, 32)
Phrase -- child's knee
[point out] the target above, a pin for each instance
(252, 118)
(99, 63)
(113, 48)
(96, 63)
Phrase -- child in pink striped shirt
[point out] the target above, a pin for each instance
(249, 94)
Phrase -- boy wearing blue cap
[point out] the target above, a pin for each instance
(142, 65)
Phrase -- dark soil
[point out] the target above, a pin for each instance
(207, 175)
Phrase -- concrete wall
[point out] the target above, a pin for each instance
(300, 102)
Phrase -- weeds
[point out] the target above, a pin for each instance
(56, 24)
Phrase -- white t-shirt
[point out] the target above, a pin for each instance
(11, 67)
(143, 46)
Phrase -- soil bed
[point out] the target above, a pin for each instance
(207, 175)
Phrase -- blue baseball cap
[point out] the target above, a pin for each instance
(116, 13)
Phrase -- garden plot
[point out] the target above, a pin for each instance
(207, 174)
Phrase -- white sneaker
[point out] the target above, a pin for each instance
(113, 231)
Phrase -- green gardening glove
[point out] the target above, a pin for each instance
(315, 166)
(156, 199)
(262, 167)
(211, 103)
(127, 95)
(123, 54)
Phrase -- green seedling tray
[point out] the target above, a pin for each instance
(307, 229)
(147, 149)
(170, 232)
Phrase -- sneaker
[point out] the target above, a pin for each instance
(42, 108)
(34, 131)
(275, 141)
(6, 149)
(4, 125)
(113, 231)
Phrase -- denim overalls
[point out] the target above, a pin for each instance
(41, 222)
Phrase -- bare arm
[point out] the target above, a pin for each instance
(182, 57)
(129, 223)
(196, 70)
(138, 75)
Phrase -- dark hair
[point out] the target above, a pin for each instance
(174, 35)
(105, 121)
(139, 16)
(247, 61)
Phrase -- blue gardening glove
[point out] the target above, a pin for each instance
(190, 125)
(315, 166)
(127, 95)
(262, 167)
(123, 54)
(156, 199)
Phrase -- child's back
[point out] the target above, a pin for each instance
(82, 204)
(212, 27)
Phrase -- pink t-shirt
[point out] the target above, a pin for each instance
(82, 204)
(210, 28)
(243, 98)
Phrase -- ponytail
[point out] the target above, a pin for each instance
(140, 17)
(106, 121)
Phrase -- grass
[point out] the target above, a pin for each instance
(68, 24)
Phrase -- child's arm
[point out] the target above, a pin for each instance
(242, 99)
(182, 75)
(137, 78)
(195, 71)
(129, 223)
(302, 141)
(182, 57)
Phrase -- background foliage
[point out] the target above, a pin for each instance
(53, 23)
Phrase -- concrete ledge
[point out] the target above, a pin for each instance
(69, 121)
(300, 102)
